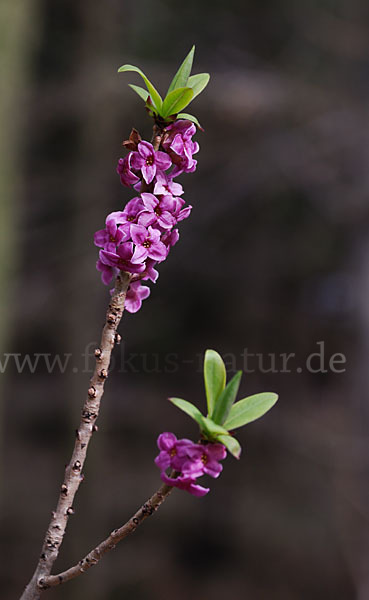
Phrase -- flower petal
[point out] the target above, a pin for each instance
(117, 216)
(145, 149)
(139, 234)
(101, 237)
(125, 251)
(166, 220)
(137, 161)
(166, 440)
(149, 200)
(163, 460)
(148, 172)
(157, 251)
(147, 218)
(140, 254)
(162, 160)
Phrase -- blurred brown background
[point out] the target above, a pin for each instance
(274, 259)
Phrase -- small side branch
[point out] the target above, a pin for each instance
(116, 536)
(90, 411)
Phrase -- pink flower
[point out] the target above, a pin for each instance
(148, 244)
(127, 176)
(136, 293)
(148, 161)
(132, 210)
(140, 236)
(173, 452)
(158, 211)
(189, 461)
(185, 483)
(179, 145)
(165, 185)
(170, 238)
(107, 273)
(204, 459)
(150, 272)
(111, 236)
(121, 259)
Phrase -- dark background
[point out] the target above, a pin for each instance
(274, 259)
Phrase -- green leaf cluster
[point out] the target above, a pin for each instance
(183, 89)
(224, 414)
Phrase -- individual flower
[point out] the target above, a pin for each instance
(148, 161)
(179, 145)
(173, 452)
(150, 272)
(112, 235)
(170, 238)
(148, 244)
(136, 293)
(158, 211)
(132, 210)
(182, 213)
(107, 272)
(164, 185)
(127, 176)
(121, 259)
(204, 459)
(185, 483)
(182, 165)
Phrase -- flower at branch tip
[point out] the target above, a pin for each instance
(188, 461)
(173, 452)
(205, 459)
(136, 293)
(180, 147)
(148, 161)
(148, 244)
(141, 235)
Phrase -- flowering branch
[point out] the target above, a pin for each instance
(73, 472)
(133, 242)
(116, 536)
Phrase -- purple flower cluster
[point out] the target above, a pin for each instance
(189, 461)
(140, 236)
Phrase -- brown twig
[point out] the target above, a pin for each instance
(116, 536)
(73, 472)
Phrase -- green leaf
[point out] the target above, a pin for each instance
(155, 96)
(214, 377)
(211, 429)
(249, 409)
(140, 91)
(226, 399)
(176, 100)
(181, 77)
(189, 409)
(231, 444)
(190, 118)
(198, 83)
